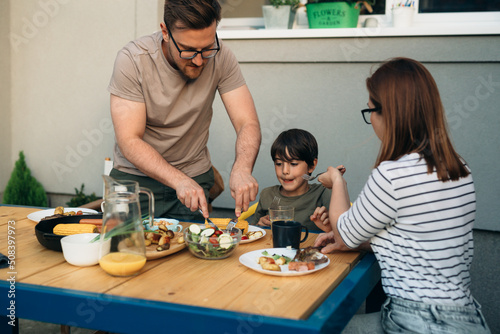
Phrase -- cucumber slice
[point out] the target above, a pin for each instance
(195, 229)
(207, 232)
(225, 240)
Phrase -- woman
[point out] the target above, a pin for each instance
(416, 210)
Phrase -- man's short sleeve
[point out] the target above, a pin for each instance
(232, 78)
(125, 81)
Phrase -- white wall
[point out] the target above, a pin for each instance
(5, 93)
(62, 55)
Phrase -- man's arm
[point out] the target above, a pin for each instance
(129, 120)
(241, 110)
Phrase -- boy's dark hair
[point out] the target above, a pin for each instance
(191, 14)
(295, 144)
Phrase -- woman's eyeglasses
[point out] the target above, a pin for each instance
(367, 113)
(190, 54)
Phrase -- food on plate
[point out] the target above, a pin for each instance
(251, 235)
(162, 222)
(265, 259)
(271, 266)
(160, 237)
(310, 254)
(222, 224)
(69, 229)
(210, 243)
(301, 266)
(59, 212)
(272, 262)
(304, 260)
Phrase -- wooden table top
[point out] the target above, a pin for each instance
(179, 278)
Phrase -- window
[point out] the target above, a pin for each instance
(441, 11)
(447, 6)
(241, 14)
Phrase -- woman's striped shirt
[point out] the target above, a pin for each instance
(420, 230)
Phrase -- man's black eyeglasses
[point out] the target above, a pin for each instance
(367, 113)
(190, 54)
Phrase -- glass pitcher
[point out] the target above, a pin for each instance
(123, 251)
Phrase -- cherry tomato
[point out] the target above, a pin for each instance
(218, 232)
(213, 240)
(78, 213)
(244, 237)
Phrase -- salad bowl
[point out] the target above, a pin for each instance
(211, 244)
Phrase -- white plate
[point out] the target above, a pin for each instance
(250, 260)
(252, 228)
(38, 215)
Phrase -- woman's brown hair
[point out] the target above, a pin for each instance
(413, 117)
(191, 14)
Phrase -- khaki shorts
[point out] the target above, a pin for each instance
(167, 205)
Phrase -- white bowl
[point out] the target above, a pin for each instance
(79, 251)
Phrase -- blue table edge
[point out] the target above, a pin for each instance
(131, 315)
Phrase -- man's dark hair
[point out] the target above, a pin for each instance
(191, 14)
(295, 144)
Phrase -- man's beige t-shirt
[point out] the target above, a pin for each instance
(178, 111)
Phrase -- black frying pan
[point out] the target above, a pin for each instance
(44, 228)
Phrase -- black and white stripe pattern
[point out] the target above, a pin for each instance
(420, 230)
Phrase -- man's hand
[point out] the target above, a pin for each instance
(244, 189)
(320, 218)
(191, 194)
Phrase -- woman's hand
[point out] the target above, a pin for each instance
(328, 178)
(264, 221)
(327, 241)
(320, 218)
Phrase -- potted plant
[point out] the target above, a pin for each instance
(23, 188)
(335, 13)
(280, 14)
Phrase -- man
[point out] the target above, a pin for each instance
(162, 91)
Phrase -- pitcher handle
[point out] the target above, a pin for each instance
(151, 204)
(307, 234)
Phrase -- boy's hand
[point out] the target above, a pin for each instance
(320, 218)
(264, 221)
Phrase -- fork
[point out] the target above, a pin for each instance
(310, 177)
(232, 223)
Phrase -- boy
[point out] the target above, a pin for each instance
(295, 153)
